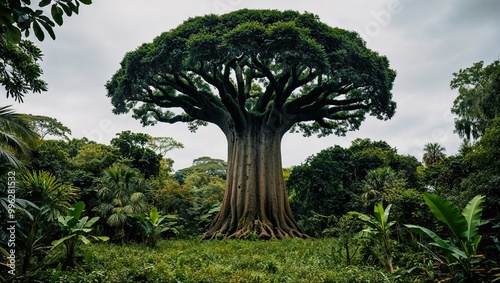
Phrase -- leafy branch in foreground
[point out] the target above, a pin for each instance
(19, 16)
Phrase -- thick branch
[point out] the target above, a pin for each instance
(240, 82)
(227, 92)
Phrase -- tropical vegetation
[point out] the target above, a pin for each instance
(119, 212)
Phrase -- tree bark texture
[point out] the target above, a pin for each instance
(255, 199)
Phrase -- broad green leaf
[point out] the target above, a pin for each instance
(446, 212)
(44, 3)
(84, 239)
(91, 222)
(82, 222)
(472, 213)
(369, 220)
(86, 2)
(58, 242)
(437, 240)
(153, 215)
(73, 7)
(77, 209)
(38, 31)
(378, 211)
(57, 14)
(13, 34)
(66, 8)
(49, 29)
(101, 238)
(476, 241)
(61, 220)
(386, 213)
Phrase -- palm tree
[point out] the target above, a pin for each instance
(433, 153)
(53, 198)
(16, 137)
(48, 192)
(377, 183)
(121, 194)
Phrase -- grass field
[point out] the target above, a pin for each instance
(292, 260)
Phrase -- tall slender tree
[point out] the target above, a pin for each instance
(256, 74)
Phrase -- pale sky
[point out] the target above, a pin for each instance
(425, 42)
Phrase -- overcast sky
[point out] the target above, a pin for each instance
(425, 42)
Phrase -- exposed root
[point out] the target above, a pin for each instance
(263, 230)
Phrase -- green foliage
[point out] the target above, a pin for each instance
(348, 241)
(446, 176)
(196, 201)
(133, 146)
(366, 173)
(313, 191)
(294, 260)
(94, 158)
(20, 71)
(484, 177)
(121, 192)
(74, 230)
(478, 102)
(204, 164)
(381, 185)
(380, 227)
(51, 156)
(155, 224)
(51, 198)
(162, 145)
(22, 15)
(462, 246)
(48, 192)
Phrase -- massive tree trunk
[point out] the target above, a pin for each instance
(255, 199)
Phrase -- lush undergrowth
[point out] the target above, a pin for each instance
(292, 260)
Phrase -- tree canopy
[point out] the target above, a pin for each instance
(44, 126)
(478, 102)
(285, 67)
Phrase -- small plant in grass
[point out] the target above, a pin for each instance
(460, 249)
(155, 224)
(74, 231)
(379, 227)
(348, 242)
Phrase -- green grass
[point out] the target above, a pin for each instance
(293, 260)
